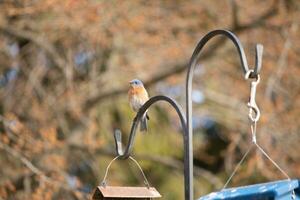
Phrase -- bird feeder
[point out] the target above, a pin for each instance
(125, 193)
(278, 190)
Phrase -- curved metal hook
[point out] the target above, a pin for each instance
(193, 61)
(259, 49)
(239, 47)
(244, 64)
(125, 154)
(188, 173)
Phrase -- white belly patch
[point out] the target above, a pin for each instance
(136, 103)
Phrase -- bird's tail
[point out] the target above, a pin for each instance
(144, 123)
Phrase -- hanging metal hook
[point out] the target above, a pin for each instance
(258, 61)
(125, 153)
(252, 73)
(254, 112)
(187, 142)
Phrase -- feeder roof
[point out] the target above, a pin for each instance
(128, 192)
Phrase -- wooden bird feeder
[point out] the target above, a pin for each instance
(125, 193)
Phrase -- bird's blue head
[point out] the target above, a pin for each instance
(136, 83)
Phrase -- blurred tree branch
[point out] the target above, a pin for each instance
(235, 13)
(35, 169)
(275, 77)
(41, 42)
(180, 67)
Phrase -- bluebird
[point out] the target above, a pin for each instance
(137, 96)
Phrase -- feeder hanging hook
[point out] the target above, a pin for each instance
(254, 112)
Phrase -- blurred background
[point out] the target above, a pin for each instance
(64, 73)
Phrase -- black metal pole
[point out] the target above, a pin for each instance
(189, 80)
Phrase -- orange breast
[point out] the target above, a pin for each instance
(136, 90)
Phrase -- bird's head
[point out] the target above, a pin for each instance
(136, 83)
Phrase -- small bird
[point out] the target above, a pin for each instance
(137, 96)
